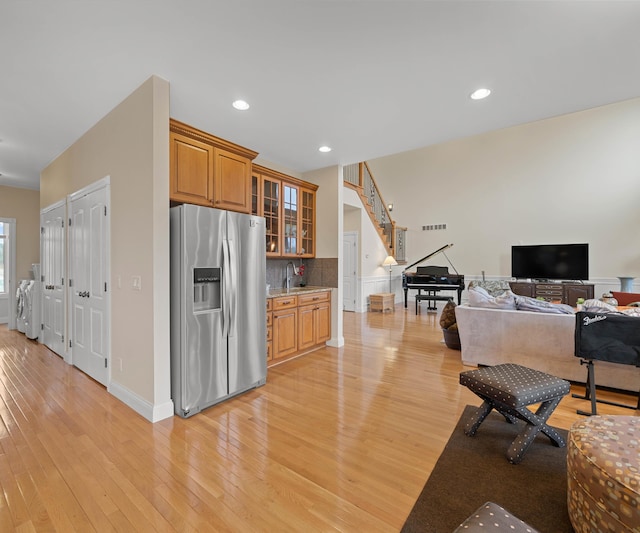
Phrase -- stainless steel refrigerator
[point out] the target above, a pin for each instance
(218, 308)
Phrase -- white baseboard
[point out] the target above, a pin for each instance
(335, 342)
(153, 413)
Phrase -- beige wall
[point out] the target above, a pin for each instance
(131, 146)
(573, 178)
(24, 206)
(328, 210)
(372, 250)
(329, 234)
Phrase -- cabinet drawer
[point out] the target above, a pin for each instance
(314, 297)
(269, 304)
(544, 287)
(548, 292)
(269, 319)
(269, 333)
(285, 302)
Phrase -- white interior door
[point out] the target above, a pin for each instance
(88, 260)
(8, 283)
(350, 271)
(52, 257)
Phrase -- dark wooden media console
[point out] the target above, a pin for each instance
(567, 292)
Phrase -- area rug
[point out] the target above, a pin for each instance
(474, 470)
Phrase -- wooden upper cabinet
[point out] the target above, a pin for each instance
(232, 181)
(307, 222)
(290, 219)
(288, 205)
(299, 220)
(208, 170)
(191, 170)
(265, 202)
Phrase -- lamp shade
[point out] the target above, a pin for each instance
(389, 261)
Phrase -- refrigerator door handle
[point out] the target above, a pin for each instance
(226, 284)
(233, 282)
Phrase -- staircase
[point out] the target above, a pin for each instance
(359, 178)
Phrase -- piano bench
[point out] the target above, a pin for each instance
(420, 297)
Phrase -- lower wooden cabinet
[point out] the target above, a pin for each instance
(314, 319)
(523, 288)
(299, 324)
(571, 293)
(269, 329)
(285, 330)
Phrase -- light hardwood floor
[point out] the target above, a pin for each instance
(337, 440)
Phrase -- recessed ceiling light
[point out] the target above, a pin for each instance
(241, 105)
(479, 94)
(324, 149)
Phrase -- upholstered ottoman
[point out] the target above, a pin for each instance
(492, 517)
(603, 474)
(510, 389)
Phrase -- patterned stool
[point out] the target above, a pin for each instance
(492, 517)
(603, 474)
(509, 389)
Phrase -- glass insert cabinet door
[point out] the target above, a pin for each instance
(271, 212)
(255, 194)
(290, 219)
(308, 221)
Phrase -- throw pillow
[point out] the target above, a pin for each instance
(448, 316)
(493, 287)
(478, 297)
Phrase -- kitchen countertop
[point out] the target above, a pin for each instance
(274, 293)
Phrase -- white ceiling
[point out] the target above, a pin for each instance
(368, 78)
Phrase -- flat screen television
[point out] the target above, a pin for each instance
(550, 261)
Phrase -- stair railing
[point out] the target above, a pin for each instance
(358, 176)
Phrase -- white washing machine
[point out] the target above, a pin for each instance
(32, 305)
(20, 304)
(32, 310)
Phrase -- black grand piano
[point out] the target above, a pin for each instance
(432, 280)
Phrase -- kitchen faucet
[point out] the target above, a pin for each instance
(287, 279)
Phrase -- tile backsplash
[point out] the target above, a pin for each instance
(318, 272)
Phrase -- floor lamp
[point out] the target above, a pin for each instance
(389, 261)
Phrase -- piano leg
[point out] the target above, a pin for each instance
(405, 297)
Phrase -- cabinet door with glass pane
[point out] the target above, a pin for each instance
(271, 191)
(290, 207)
(256, 191)
(307, 223)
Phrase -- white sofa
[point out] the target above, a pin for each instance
(537, 340)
